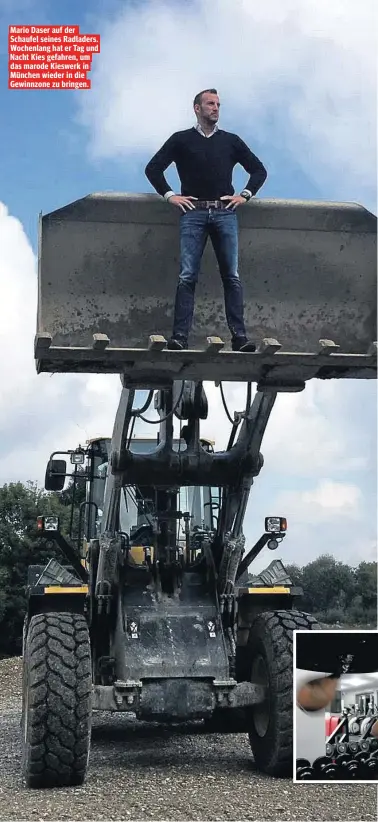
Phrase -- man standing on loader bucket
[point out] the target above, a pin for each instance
(208, 204)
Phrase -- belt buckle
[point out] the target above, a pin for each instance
(212, 203)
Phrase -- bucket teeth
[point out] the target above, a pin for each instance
(214, 344)
(100, 342)
(269, 346)
(156, 342)
(42, 340)
(110, 262)
(328, 347)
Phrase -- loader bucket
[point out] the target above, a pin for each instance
(108, 264)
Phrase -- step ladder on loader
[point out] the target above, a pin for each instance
(183, 633)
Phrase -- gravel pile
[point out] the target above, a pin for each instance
(142, 772)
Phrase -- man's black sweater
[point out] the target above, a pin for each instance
(205, 164)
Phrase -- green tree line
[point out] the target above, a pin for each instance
(336, 592)
(21, 546)
(333, 591)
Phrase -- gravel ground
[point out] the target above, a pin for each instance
(141, 772)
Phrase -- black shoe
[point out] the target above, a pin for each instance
(242, 344)
(177, 344)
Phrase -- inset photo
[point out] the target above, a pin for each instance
(335, 706)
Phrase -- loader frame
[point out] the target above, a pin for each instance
(170, 636)
(175, 630)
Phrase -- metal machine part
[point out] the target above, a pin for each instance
(164, 613)
(108, 264)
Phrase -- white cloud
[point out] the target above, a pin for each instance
(310, 66)
(307, 436)
(325, 516)
(333, 497)
(38, 413)
(324, 502)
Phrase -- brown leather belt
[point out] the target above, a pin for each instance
(220, 204)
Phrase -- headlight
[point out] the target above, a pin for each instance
(48, 523)
(77, 458)
(275, 525)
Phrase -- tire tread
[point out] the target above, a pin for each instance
(275, 628)
(58, 674)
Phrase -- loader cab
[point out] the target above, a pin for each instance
(191, 512)
(180, 517)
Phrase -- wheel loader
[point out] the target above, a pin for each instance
(153, 609)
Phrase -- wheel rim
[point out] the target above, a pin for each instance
(261, 711)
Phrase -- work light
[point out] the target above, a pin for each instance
(48, 523)
(275, 525)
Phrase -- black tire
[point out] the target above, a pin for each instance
(57, 685)
(270, 653)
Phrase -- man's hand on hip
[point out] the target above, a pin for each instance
(182, 202)
(236, 200)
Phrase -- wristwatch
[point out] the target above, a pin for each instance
(246, 194)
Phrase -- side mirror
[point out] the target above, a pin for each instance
(55, 476)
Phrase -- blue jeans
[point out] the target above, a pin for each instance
(195, 228)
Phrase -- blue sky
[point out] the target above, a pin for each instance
(297, 83)
(47, 163)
